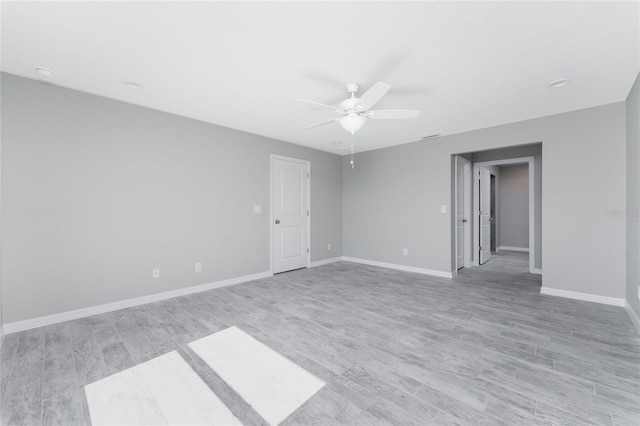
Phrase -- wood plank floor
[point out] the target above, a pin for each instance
(393, 347)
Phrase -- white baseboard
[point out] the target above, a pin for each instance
(536, 271)
(634, 318)
(325, 261)
(583, 296)
(14, 327)
(507, 248)
(400, 267)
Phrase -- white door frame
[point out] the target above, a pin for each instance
(484, 213)
(468, 211)
(271, 218)
(532, 223)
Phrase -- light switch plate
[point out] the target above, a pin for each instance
(443, 208)
(257, 208)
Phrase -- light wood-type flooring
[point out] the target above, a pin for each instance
(393, 348)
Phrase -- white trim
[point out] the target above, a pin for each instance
(536, 271)
(468, 212)
(309, 209)
(634, 318)
(14, 327)
(503, 162)
(532, 223)
(308, 164)
(454, 217)
(468, 195)
(433, 272)
(507, 248)
(325, 261)
(606, 300)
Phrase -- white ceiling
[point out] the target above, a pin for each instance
(465, 65)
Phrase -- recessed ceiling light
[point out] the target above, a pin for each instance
(133, 85)
(45, 72)
(559, 83)
(336, 143)
(437, 135)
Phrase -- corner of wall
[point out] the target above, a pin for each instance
(632, 222)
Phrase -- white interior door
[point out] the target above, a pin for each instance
(290, 212)
(485, 215)
(460, 207)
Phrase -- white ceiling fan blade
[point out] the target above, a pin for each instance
(372, 96)
(323, 106)
(321, 123)
(392, 113)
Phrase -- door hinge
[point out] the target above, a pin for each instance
(307, 175)
(307, 249)
(307, 212)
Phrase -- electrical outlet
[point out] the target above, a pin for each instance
(199, 267)
(329, 246)
(156, 273)
(405, 251)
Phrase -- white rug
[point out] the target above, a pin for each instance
(274, 386)
(162, 391)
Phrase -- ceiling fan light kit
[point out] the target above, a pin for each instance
(353, 122)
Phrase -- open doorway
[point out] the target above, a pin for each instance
(518, 213)
(505, 216)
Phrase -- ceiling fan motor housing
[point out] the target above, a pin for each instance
(353, 88)
(348, 104)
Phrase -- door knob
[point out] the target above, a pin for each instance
(277, 221)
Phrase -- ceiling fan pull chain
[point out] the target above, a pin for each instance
(353, 142)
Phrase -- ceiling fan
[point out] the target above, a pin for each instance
(355, 111)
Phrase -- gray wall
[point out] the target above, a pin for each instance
(1, 314)
(97, 193)
(514, 206)
(633, 197)
(392, 198)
